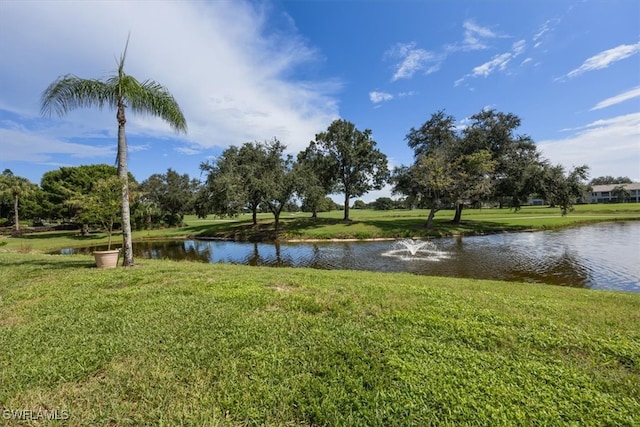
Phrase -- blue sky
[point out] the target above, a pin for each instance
(253, 70)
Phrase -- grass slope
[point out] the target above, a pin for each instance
(168, 343)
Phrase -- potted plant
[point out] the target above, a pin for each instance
(102, 205)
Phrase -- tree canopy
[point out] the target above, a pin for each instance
(608, 180)
(253, 175)
(450, 167)
(486, 161)
(69, 181)
(315, 181)
(173, 194)
(100, 205)
(279, 179)
(353, 163)
(562, 188)
(621, 193)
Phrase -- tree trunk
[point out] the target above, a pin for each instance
(276, 216)
(432, 213)
(458, 215)
(346, 206)
(110, 232)
(16, 217)
(254, 211)
(314, 214)
(278, 254)
(123, 174)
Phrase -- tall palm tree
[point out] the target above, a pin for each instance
(117, 92)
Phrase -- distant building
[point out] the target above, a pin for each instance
(606, 194)
(601, 194)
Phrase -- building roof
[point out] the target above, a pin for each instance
(610, 187)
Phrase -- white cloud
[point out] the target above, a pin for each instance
(630, 94)
(608, 146)
(377, 97)
(188, 151)
(39, 147)
(547, 27)
(380, 97)
(606, 58)
(518, 47)
(412, 60)
(231, 76)
(475, 36)
(542, 30)
(134, 148)
(463, 124)
(497, 63)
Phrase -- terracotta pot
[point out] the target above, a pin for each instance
(107, 259)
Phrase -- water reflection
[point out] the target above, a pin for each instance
(603, 256)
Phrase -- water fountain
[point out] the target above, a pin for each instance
(410, 249)
(413, 246)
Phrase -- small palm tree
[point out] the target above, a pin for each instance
(15, 187)
(118, 92)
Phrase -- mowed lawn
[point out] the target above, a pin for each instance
(410, 223)
(179, 343)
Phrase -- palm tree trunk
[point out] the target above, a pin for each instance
(124, 175)
(16, 217)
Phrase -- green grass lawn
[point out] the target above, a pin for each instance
(180, 343)
(409, 223)
(364, 224)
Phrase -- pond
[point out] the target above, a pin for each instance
(600, 256)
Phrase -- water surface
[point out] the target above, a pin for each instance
(600, 256)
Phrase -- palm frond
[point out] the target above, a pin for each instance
(123, 57)
(70, 92)
(151, 98)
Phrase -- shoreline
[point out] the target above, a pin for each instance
(29, 242)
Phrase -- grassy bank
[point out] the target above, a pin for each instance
(168, 343)
(370, 224)
(365, 224)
